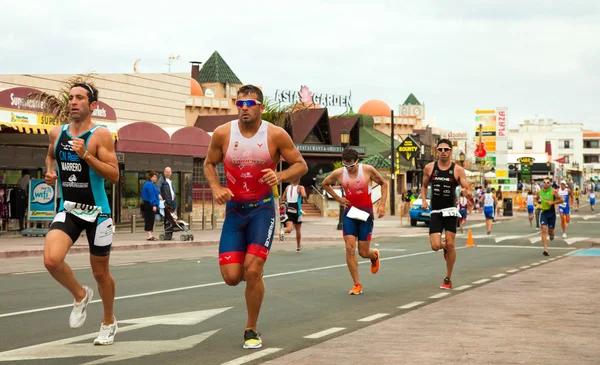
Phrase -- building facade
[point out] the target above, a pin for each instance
(591, 155)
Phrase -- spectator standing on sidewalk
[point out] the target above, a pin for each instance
(150, 203)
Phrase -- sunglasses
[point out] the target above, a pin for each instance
(248, 102)
(546, 182)
(444, 149)
(349, 166)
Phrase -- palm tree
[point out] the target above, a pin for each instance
(57, 106)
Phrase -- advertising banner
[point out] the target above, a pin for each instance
(42, 201)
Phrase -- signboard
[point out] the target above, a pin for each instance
(42, 201)
(327, 148)
(501, 122)
(506, 184)
(307, 96)
(487, 120)
(456, 136)
(526, 160)
(14, 110)
(409, 148)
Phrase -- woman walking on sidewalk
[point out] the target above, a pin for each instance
(150, 201)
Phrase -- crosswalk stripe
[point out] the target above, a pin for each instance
(571, 241)
(500, 239)
(535, 239)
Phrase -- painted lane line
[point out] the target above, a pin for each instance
(543, 261)
(126, 264)
(535, 264)
(156, 261)
(326, 332)
(191, 287)
(505, 238)
(253, 356)
(573, 252)
(463, 287)
(481, 281)
(535, 240)
(524, 247)
(552, 259)
(29, 272)
(438, 296)
(373, 317)
(411, 305)
(501, 275)
(573, 240)
(512, 271)
(524, 267)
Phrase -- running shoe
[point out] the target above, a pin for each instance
(298, 249)
(107, 333)
(252, 339)
(446, 284)
(552, 238)
(79, 312)
(281, 235)
(564, 235)
(357, 289)
(546, 253)
(375, 265)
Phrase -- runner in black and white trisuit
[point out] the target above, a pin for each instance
(80, 156)
(444, 176)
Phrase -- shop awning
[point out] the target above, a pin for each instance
(143, 137)
(190, 141)
(27, 128)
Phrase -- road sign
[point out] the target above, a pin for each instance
(409, 148)
(124, 350)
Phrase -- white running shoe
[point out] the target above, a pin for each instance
(107, 333)
(564, 235)
(79, 313)
(281, 235)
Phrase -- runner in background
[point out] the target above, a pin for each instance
(530, 207)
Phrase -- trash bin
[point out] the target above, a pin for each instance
(508, 207)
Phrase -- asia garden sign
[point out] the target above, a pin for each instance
(306, 96)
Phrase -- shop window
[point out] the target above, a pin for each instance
(590, 144)
(566, 144)
(510, 144)
(528, 145)
(590, 159)
(567, 159)
(10, 177)
(199, 182)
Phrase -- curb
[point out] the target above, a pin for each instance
(141, 247)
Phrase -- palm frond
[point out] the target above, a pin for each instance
(280, 115)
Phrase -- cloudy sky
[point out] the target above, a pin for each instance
(535, 57)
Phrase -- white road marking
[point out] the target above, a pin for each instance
(499, 275)
(512, 271)
(326, 332)
(524, 247)
(29, 272)
(481, 281)
(586, 217)
(552, 259)
(156, 261)
(505, 238)
(463, 287)
(411, 305)
(525, 267)
(571, 241)
(543, 261)
(484, 236)
(440, 295)
(392, 249)
(535, 264)
(121, 350)
(373, 317)
(126, 264)
(535, 239)
(253, 356)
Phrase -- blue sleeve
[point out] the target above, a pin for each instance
(146, 193)
(155, 200)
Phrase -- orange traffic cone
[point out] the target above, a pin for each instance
(470, 239)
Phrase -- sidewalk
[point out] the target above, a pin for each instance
(545, 315)
(313, 229)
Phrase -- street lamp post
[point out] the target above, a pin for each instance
(345, 141)
(461, 158)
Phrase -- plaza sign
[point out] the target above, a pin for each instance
(306, 96)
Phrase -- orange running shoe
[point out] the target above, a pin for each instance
(357, 289)
(375, 265)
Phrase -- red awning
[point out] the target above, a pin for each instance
(190, 141)
(143, 137)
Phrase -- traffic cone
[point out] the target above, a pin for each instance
(470, 239)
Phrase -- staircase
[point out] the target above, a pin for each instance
(310, 210)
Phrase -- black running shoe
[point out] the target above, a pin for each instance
(546, 253)
(252, 339)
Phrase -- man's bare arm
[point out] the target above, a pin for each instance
(50, 158)
(105, 162)
(302, 192)
(214, 156)
(291, 155)
(378, 179)
(462, 178)
(329, 181)
(426, 173)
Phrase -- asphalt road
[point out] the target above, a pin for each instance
(179, 311)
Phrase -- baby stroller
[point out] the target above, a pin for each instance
(172, 224)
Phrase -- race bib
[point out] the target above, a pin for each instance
(448, 212)
(292, 210)
(88, 213)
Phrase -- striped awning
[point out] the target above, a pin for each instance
(35, 128)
